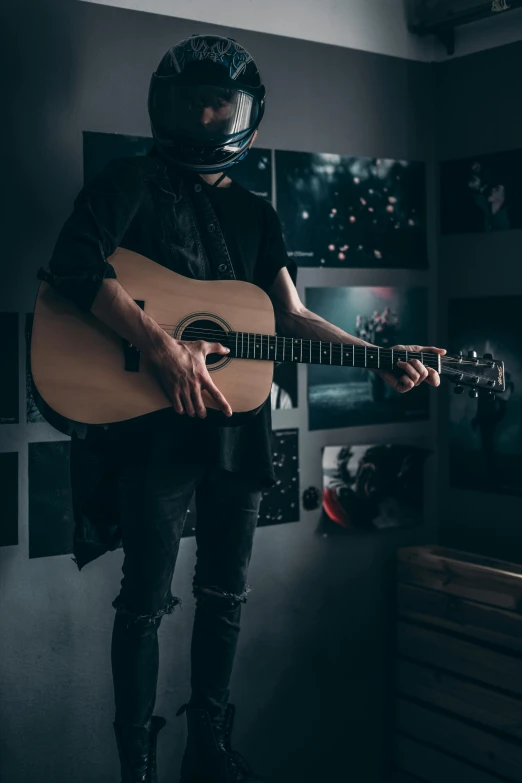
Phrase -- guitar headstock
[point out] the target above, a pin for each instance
(484, 373)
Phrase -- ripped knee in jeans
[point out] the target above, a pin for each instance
(203, 591)
(134, 618)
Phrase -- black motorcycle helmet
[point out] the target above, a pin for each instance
(205, 103)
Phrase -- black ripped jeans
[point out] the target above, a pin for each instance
(155, 489)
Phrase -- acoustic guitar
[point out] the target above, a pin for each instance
(85, 372)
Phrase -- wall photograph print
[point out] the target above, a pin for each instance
(352, 212)
(486, 432)
(9, 369)
(352, 396)
(254, 173)
(9, 495)
(483, 193)
(51, 520)
(32, 413)
(371, 487)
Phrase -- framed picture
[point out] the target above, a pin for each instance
(483, 193)
(371, 487)
(51, 522)
(486, 432)
(9, 412)
(352, 212)
(351, 396)
(9, 494)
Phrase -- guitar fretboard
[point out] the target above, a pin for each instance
(246, 345)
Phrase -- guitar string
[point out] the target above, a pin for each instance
(445, 365)
(335, 345)
(204, 333)
(217, 335)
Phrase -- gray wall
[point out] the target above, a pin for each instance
(479, 111)
(311, 669)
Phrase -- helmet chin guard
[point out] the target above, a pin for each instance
(205, 103)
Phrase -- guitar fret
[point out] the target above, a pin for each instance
(237, 336)
(320, 352)
(378, 358)
(342, 354)
(284, 346)
(310, 352)
(330, 353)
(366, 356)
(292, 350)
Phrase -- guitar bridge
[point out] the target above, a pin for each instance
(131, 354)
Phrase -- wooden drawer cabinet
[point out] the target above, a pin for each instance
(458, 675)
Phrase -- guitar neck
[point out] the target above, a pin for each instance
(246, 345)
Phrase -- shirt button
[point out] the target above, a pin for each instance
(197, 188)
(222, 267)
(211, 227)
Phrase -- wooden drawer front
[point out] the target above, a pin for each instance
(458, 674)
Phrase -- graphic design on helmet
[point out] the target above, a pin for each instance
(206, 101)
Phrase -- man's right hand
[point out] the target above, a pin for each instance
(179, 364)
(181, 369)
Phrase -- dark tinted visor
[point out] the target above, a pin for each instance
(200, 114)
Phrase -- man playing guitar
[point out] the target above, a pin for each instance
(206, 101)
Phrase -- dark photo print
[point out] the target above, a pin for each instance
(280, 503)
(51, 523)
(480, 194)
(9, 369)
(9, 495)
(353, 396)
(352, 212)
(486, 432)
(254, 172)
(100, 148)
(33, 414)
(377, 487)
(283, 394)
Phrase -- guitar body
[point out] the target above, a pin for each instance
(85, 372)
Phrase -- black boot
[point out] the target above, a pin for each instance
(209, 757)
(137, 751)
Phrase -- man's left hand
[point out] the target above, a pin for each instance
(414, 371)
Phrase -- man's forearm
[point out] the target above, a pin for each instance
(310, 326)
(117, 310)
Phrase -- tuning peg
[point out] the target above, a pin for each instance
(458, 389)
(488, 356)
(473, 393)
(472, 354)
(475, 379)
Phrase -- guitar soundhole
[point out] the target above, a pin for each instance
(210, 331)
